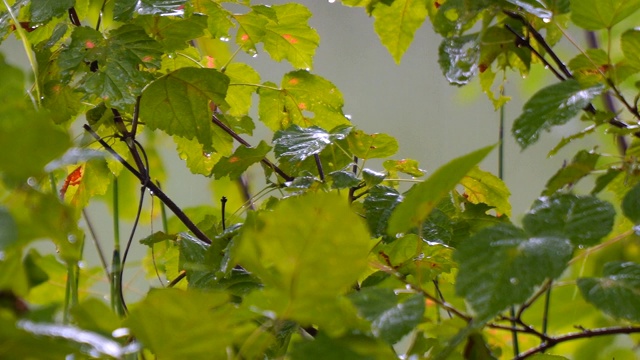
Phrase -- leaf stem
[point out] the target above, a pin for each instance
(319, 166)
(96, 243)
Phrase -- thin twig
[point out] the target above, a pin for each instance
(154, 188)
(96, 243)
(319, 166)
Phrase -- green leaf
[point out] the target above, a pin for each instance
(585, 220)
(372, 178)
(397, 22)
(378, 206)
(533, 7)
(301, 95)
(631, 204)
(615, 293)
(630, 44)
(343, 179)
(391, 316)
(604, 180)
(371, 146)
(548, 357)
(288, 254)
(206, 321)
(582, 165)
(43, 10)
(95, 315)
(453, 17)
(591, 67)
(406, 166)
(171, 32)
(251, 30)
(477, 348)
(178, 103)
(601, 14)
(501, 265)
(458, 58)
(243, 81)
(198, 161)
(424, 197)
(484, 187)
(8, 229)
(62, 102)
(296, 144)
(551, 106)
(236, 164)
(290, 37)
(218, 21)
(347, 347)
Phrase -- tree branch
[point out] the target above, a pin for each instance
(154, 188)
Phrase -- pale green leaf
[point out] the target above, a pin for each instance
(288, 254)
(601, 14)
(551, 106)
(301, 95)
(617, 292)
(178, 103)
(501, 265)
(371, 146)
(198, 161)
(290, 37)
(484, 187)
(630, 44)
(406, 166)
(631, 204)
(397, 22)
(424, 197)
(236, 164)
(347, 347)
(243, 82)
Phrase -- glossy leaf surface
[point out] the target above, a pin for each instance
(236, 164)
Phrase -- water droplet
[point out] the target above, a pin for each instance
(580, 247)
(207, 155)
(32, 182)
(332, 1)
(254, 55)
(225, 39)
(2, 255)
(347, 116)
(120, 332)
(171, 56)
(308, 69)
(82, 264)
(514, 281)
(72, 238)
(546, 20)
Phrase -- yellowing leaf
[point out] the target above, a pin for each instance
(371, 146)
(484, 187)
(396, 24)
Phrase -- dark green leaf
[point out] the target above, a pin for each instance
(372, 178)
(301, 95)
(603, 181)
(62, 102)
(124, 9)
(533, 7)
(43, 10)
(236, 164)
(458, 58)
(601, 14)
(378, 208)
(582, 165)
(551, 106)
(453, 17)
(8, 229)
(371, 146)
(585, 220)
(173, 33)
(296, 144)
(347, 347)
(501, 266)
(156, 237)
(617, 292)
(477, 348)
(343, 179)
(178, 103)
(631, 204)
(391, 316)
(630, 44)
(396, 24)
(424, 197)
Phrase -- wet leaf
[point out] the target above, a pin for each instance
(391, 316)
(301, 95)
(378, 206)
(178, 103)
(585, 220)
(290, 37)
(396, 24)
(43, 10)
(458, 58)
(287, 255)
(372, 178)
(171, 32)
(615, 293)
(551, 106)
(218, 19)
(198, 161)
(371, 146)
(453, 17)
(602, 14)
(343, 179)
(236, 164)
(533, 7)
(501, 265)
(125, 9)
(251, 30)
(582, 165)
(296, 144)
(423, 198)
(484, 187)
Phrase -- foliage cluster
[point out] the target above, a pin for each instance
(331, 260)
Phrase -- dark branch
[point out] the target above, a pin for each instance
(319, 166)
